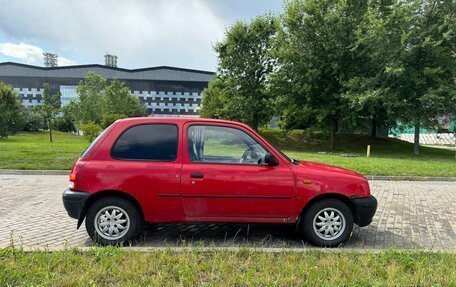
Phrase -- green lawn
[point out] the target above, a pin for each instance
(388, 156)
(33, 150)
(120, 267)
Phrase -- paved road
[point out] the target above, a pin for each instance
(410, 215)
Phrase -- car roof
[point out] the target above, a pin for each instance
(179, 120)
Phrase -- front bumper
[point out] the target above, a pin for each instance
(73, 201)
(365, 210)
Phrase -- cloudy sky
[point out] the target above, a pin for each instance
(141, 33)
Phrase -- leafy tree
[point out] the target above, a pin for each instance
(64, 123)
(421, 79)
(110, 118)
(71, 113)
(11, 110)
(117, 100)
(244, 67)
(315, 60)
(33, 119)
(376, 41)
(102, 103)
(219, 100)
(50, 108)
(90, 91)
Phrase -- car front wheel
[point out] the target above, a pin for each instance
(113, 221)
(327, 223)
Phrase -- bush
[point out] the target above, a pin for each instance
(64, 124)
(110, 118)
(91, 131)
(33, 120)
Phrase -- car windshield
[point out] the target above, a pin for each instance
(283, 154)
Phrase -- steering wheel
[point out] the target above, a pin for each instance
(248, 153)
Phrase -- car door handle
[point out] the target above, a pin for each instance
(196, 175)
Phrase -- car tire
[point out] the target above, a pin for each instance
(113, 221)
(327, 223)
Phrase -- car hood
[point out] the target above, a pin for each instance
(328, 168)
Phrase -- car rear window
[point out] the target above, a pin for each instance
(151, 142)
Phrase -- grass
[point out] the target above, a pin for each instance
(32, 150)
(120, 267)
(388, 156)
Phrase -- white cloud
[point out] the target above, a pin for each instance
(65, 62)
(29, 53)
(140, 32)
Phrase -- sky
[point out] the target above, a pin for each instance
(142, 33)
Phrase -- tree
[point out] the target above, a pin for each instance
(422, 77)
(71, 112)
(245, 64)
(33, 118)
(376, 40)
(102, 103)
(51, 106)
(90, 91)
(65, 121)
(11, 110)
(117, 100)
(220, 101)
(315, 60)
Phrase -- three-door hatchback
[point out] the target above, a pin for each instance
(202, 170)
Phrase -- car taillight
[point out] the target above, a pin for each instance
(73, 183)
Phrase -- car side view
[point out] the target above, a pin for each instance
(203, 170)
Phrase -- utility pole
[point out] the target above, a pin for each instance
(50, 60)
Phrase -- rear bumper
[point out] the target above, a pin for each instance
(73, 201)
(365, 210)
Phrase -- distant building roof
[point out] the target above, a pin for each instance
(165, 73)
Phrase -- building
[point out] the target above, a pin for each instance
(163, 90)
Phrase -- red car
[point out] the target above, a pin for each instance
(203, 170)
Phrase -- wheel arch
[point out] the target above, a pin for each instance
(105, 193)
(337, 196)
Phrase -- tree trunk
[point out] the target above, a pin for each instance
(334, 129)
(374, 126)
(50, 131)
(416, 140)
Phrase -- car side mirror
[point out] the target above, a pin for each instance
(270, 160)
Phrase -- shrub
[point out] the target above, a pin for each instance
(110, 118)
(91, 130)
(33, 120)
(64, 124)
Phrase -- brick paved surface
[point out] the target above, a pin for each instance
(410, 215)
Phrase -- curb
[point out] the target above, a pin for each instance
(34, 172)
(409, 178)
(369, 177)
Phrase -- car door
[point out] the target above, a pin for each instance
(224, 177)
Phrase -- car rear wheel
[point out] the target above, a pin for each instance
(113, 221)
(327, 223)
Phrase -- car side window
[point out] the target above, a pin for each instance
(149, 142)
(225, 145)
